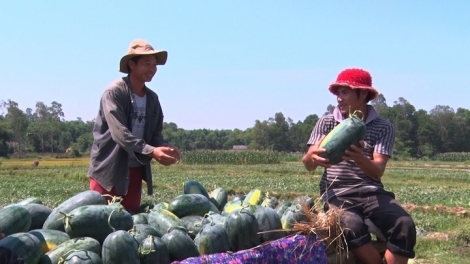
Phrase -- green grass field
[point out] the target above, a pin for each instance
(436, 194)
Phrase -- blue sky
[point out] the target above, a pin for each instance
(231, 63)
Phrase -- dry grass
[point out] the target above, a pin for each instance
(326, 226)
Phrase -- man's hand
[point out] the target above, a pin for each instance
(166, 155)
(356, 153)
(312, 160)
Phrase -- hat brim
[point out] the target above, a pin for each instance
(161, 56)
(334, 87)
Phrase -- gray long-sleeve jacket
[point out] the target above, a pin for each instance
(113, 140)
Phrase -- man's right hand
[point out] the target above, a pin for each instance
(166, 155)
(312, 160)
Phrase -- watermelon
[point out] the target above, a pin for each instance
(193, 224)
(24, 245)
(97, 221)
(282, 207)
(220, 195)
(179, 244)
(120, 247)
(81, 257)
(160, 205)
(152, 250)
(140, 218)
(212, 239)
(49, 238)
(269, 222)
(30, 200)
(349, 132)
(305, 200)
(269, 201)
(39, 214)
(238, 197)
(162, 220)
(292, 215)
(146, 207)
(189, 204)
(232, 205)
(242, 229)
(193, 186)
(141, 231)
(255, 196)
(89, 197)
(215, 218)
(14, 219)
(74, 244)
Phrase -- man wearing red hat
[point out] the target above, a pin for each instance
(355, 183)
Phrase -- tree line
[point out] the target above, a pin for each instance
(419, 133)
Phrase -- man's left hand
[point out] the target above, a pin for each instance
(356, 153)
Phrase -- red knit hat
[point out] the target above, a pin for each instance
(355, 79)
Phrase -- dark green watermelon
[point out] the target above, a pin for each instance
(269, 222)
(242, 229)
(179, 244)
(212, 239)
(152, 250)
(120, 247)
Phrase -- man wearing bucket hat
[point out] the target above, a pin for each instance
(355, 183)
(127, 133)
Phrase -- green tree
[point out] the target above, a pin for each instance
(17, 122)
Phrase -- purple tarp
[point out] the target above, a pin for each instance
(293, 249)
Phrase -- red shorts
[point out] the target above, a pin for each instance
(130, 201)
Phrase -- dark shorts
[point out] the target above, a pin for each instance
(386, 213)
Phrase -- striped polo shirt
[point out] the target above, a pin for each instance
(346, 178)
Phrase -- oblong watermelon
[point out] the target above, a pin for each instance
(89, 197)
(349, 132)
(97, 221)
(24, 245)
(14, 219)
(80, 243)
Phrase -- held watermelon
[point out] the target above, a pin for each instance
(350, 131)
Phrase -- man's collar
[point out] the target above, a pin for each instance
(372, 114)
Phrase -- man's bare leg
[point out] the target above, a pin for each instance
(368, 254)
(392, 258)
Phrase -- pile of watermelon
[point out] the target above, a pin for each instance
(86, 228)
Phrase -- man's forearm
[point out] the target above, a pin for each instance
(370, 168)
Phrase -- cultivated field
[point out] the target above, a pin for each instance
(436, 194)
